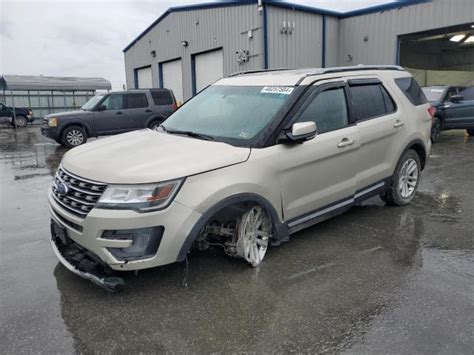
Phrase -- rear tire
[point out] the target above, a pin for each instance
(73, 136)
(436, 130)
(470, 132)
(405, 180)
(21, 121)
(155, 124)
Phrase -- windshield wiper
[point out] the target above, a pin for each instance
(188, 133)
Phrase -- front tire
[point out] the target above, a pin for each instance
(405, 180)
(470, 132)
(436, 130)
(73, 136)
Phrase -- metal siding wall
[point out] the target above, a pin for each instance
(332, 36)
(224, 27)
(383, 28)
(302, 48)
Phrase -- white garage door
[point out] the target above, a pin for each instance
(208, 68)
(144, 78)
(173, 78)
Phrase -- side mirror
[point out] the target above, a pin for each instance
(456, 98)
(301, 132)
(101, 108)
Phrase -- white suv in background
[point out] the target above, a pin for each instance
(255, 157)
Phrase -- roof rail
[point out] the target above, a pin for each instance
(359, 67)
(256, 71)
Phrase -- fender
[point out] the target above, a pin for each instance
(280, 229)
(89, 130)
(418, 146)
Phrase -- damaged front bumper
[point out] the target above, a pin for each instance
(82, 262)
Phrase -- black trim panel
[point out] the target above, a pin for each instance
(308, 219)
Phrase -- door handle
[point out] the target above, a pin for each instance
(119, 113)
(398, 123)
(148, 110)
(345, 143)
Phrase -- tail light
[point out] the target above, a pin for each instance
(432, 112)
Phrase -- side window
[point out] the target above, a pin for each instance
(137, 100)
(371, 101)
(389, 103)
(328, 110)
(412, 90)
(162, 97)
(468, 93)
(113, 102)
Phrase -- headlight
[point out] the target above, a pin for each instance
(53, 122)
(143, 198)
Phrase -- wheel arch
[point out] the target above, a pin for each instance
(76, 123)
(419, 147)
(280, 229)
(154, 118)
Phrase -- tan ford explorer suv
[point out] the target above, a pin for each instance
(252, 159)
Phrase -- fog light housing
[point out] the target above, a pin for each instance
(145, 242)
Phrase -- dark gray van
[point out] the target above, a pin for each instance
(110, 113)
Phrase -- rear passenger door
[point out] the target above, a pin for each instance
(380, 125)
(318, 177)
(138, 110)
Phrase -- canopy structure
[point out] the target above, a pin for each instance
(60, 83)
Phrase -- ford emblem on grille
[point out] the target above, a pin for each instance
(63, 189)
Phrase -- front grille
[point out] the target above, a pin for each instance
(45, 121)
(77, 195)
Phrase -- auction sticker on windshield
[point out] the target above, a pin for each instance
(286, 90)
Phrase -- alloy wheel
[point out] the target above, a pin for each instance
(408, 178)
(75, 137)
(255, 230)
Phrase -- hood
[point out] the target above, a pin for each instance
(148, 156)
(67, 114)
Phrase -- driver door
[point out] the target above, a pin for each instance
(460, 114)
(318, 177)
(112, 117)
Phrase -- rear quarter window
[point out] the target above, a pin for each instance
(162, 97)
(412, 90)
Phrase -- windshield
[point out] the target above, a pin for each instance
(433, 93)
(89, 105)
(236, 112)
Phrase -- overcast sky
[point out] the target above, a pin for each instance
(86, 38)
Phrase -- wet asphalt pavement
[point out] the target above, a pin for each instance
(376, 279)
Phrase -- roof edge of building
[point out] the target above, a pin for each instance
(276, 3)
(383, 7)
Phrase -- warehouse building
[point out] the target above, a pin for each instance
(189, 47)
(48, 94)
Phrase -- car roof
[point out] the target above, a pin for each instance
(293, 77)
(135, 91)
